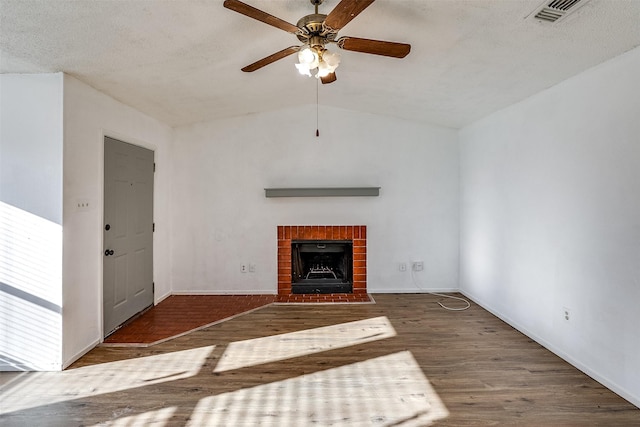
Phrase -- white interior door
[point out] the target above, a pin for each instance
(128, 232)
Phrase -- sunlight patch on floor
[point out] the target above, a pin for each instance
(159, 418)
(241, 354)
(44, 388)
(384, 391)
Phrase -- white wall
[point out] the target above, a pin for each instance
(31, 144)
(31, 150)
(550, 219)
(222, 219)
(89, 115)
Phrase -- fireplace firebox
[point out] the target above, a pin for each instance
(321, 266)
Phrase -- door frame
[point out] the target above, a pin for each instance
(143, 144)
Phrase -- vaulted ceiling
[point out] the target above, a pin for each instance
(180, 61)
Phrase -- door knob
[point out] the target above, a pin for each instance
(108, 252)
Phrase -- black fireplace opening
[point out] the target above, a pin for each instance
(321, 266)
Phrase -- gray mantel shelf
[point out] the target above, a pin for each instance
(323, 192)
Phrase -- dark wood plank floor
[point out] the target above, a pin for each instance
(403, 361)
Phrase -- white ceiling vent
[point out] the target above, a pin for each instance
(555, 10)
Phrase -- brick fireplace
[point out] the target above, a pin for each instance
(357, 234)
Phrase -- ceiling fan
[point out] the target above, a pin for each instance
(316, 31)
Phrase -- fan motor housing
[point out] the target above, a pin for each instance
(313, 25)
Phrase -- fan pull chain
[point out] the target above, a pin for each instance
(317, 108)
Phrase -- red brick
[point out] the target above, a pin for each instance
(341, 233)
(359, 257)
(284, 258)
(284, 250)
(359, 250)
(284, 270)
(359, 242)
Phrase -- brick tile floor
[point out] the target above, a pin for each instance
(179, 314)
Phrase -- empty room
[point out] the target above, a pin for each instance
(319, 212)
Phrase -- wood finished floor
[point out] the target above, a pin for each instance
(403, 361)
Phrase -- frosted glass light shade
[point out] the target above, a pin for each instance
(309, 57)
(303, 69)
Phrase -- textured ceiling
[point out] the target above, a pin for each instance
(179, 61)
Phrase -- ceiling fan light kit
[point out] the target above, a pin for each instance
(319, 59)
(315, 31)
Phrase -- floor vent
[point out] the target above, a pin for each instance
(554, 10)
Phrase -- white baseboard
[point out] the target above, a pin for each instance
(410, 290)
(10, 366)
(6, 366)
(263, 292)
(79, 354)
(226, 292)
(162, 298)
(635, 400)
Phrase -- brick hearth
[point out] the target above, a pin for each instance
(355, 233)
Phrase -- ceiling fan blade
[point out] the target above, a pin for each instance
(254, 13)
(376, 47)
(329, 78)
(344, 12)
(271, 58)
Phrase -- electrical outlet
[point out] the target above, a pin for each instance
(252, 268)
(243, 268)
(402, 266)
(566, 314)
(417, 266)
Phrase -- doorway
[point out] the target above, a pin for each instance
(127, 232)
